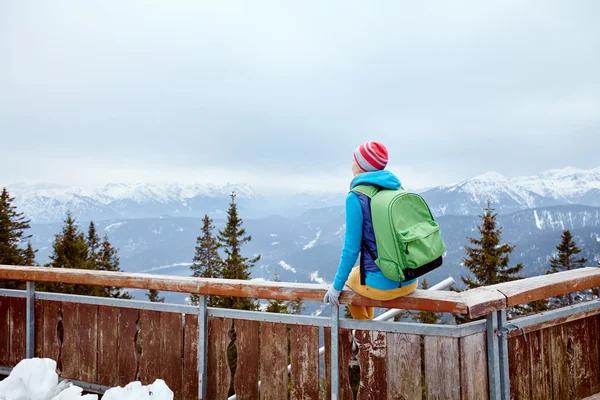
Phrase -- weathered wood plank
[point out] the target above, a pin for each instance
(594, 352)
(442, 367)
(344, 356)
(304, 349)
(70, 344)
(171, 351)
(546, 286)
(150, 360)
(327, 343)
(404, 367)
(540, 365)
(555, 322)
(418, 300)
(585, 356)
(483, 301)
(248, 353)
(4, 330)
(560, 360)
(372, 359)
(219, 375)
(87, 331)
(127, 367)
(39, 331)
(518, 369)
(273, 361)
(18, 322)
(52, 339)
(190, 357)
(108, 350)
(473, 367)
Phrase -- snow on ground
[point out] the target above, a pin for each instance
(314, 277)
(312, 243)
(287, 266)
(112, 227)
(36, 379)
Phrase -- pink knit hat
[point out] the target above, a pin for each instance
(371, 156)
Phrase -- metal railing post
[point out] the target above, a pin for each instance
(202, 347)
(493, 356)
(503, 355)
(335, 368)
(30, 324)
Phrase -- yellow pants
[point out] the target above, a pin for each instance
(360, 312)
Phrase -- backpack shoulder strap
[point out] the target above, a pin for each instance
(368, 190)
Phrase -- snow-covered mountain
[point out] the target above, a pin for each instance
(554, 187)
(49, 203)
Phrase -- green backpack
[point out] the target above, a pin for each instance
(409, 242)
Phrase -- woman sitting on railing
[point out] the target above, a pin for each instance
(370, 160)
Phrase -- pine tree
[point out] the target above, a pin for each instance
(153, 296)
(29, 255)
(93, 242)
(488, 259)
(13, 225)
(426, 317)
(566, 260)
(235, 266)
(70, 250)
(207, 262)
(277, 306)
(295, 307)
(108, 260)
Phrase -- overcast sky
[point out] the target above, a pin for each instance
(280, 93)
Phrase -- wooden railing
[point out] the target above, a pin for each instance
(108, 342)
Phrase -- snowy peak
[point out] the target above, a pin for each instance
(568, 183)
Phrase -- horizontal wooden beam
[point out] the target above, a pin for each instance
(545, 286)
(419, 300)
(474, 303)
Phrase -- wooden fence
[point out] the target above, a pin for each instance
(557, 358)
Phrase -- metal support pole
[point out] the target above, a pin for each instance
(202, 347)
(493, 356)
(30, 327)
(503, 355)
(335, 368)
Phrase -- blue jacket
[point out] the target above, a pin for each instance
(354, 234)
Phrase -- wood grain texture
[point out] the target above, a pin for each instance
(39, 331)
(273, 361)
(473, 367)
(150, 360)
(18, 326)
(52, 341)
(546, 286)
(190, 357)
(344, 356)
(108, 349)
(372, 359)
(404, 367)
(540, 365)
(87, 332)
(248, 354)
(219, 375)
(4, 330)
(518, 369)
(585, 375)
(70, 345)
(482, 301)
(304, 349)
(171, 351)
(345, 349)
(418, 300)
(127, 366)
(442, 367)
(560, 360)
